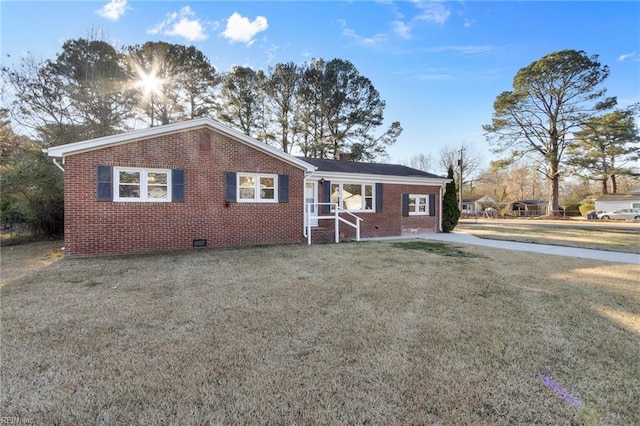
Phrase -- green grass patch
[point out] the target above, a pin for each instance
(442, 249)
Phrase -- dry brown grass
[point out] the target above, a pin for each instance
(611, 236)
(328, 334)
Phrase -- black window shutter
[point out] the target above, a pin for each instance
(104, 177)
(432, 205)
(231, 186)
(177, 185)
(326, 196)
(378, 197)
(283, 188)
(405, 204)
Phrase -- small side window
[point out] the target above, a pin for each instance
(257, 188)
(418, 205)
(133, 184)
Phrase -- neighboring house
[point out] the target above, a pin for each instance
(529, 208)
(200, 183)
(474, 205)
(611, 202)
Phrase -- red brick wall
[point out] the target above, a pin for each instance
(389, 222)
(104, 228)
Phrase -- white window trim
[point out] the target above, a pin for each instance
(362, 190)
(426, 205)
(143, 185)
(257, 198)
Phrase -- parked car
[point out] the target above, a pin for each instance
(624, 214)
(591, 215)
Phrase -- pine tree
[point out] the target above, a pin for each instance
(551, 99)
(450, 210)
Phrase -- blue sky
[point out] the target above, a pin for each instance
(438, 65)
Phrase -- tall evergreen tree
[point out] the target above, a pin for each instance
(550, 99)
(198, 80)
(94, 76)
(281, 87)
(155, 66)
(176, 82)
(604, 145)
(241, 104)
(450, 210)
(349, 110)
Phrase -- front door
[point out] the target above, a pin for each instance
(311, 196)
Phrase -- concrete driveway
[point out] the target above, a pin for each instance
(465, 238)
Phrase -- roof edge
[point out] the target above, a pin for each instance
(368, 177)
(122, 138)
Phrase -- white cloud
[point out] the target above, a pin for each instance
(188, 28)
(271, 53)
(626, 56)
(181, 24)
(369, 41)
(113, 10)
(402, 30)
(467, 50)
(240, 29)
(433, 12)
(435, 76)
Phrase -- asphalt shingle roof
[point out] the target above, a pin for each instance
(341, 166)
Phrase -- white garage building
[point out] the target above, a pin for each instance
(610, 202)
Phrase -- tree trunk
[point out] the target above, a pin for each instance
(605, 190)
(554, 194)
(614, 185)
(554, 185)
(193, 107)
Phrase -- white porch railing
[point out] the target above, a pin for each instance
(312, 210)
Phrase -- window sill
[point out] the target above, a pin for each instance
(141, 201)
(355, 211)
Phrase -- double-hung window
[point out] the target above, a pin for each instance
(353, 197)
(257, 188)
(134, 184)
(418, 205)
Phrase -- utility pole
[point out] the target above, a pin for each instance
(461, 165)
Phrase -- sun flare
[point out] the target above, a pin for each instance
(148, 81)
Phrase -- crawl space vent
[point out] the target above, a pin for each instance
(200, 243)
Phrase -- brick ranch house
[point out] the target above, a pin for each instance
(200, 183)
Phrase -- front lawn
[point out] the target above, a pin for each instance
(366, 333)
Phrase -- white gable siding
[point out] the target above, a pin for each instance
(606, 206)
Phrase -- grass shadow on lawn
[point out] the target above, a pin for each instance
(442, 249)
(331, 334)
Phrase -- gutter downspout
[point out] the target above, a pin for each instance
(55, 161)
(441, 204)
